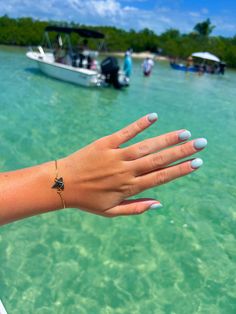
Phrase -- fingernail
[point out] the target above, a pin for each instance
(196, 163)
(200, 143)
(156, 206)
(185, 135)
(152, 117)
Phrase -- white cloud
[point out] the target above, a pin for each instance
(194, 14)
(101, 8)
(205, 11)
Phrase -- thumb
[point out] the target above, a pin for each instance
(133, 207)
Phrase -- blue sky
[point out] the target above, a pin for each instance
(157, 15)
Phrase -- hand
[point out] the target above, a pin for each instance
(102, 176)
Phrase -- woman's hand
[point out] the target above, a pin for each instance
(102, 176)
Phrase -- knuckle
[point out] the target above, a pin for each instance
(125, 133)
(143, 149)
(137, 210)
(161, 178)
(131, 130)
(138, 185)
(182, 169)
(183, 150)
(139, 125)
(168, 140)
(130, 154)
(157, 160)
(129, 190)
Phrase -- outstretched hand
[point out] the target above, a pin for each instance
(101, 177)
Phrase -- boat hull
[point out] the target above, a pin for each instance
(182, 67)
(79, 76)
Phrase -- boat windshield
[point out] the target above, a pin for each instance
(77, 47)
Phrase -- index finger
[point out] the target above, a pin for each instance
(130, 131)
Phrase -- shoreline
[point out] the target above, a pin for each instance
(135, 55)
(138, 55)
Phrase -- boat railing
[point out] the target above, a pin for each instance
(41, 51)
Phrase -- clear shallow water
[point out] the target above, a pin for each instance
(180, 259)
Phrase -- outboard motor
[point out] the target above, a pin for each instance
(110, 69)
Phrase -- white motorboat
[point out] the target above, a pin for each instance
(47, 64)
(80, 68)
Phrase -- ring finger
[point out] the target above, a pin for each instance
(168, 174)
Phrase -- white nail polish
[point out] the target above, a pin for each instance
(185, 135)
(196, 163)
(152, 117)
(156, 206)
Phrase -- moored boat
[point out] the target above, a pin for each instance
(78, 67)
(201, 62)
(182, 67)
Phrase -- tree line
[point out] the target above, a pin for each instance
(29, 32)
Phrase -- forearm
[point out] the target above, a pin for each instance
(28, 192)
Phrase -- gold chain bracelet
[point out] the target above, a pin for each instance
(59, 185)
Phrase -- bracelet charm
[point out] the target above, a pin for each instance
(59, 185)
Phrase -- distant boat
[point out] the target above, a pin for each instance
(182, 67)
(77, 67)
(203, 62)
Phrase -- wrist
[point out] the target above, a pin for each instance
(62, 181)
(56, 182)
(47, 173)
(67, 170)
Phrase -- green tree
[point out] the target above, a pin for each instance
(171, 33)
(27, 31)
(204, 28)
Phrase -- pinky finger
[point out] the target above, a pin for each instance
(133, 207)
(168, 174)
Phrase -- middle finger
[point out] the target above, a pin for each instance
(152, 145)
(166, 157)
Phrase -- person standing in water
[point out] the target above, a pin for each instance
(127, 68)
(148, 64)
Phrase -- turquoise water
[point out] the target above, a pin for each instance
(180, 259)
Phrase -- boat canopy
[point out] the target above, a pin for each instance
(83, 32)
(206, 56)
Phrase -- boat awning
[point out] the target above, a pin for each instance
(83, 32)
(206, 56)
